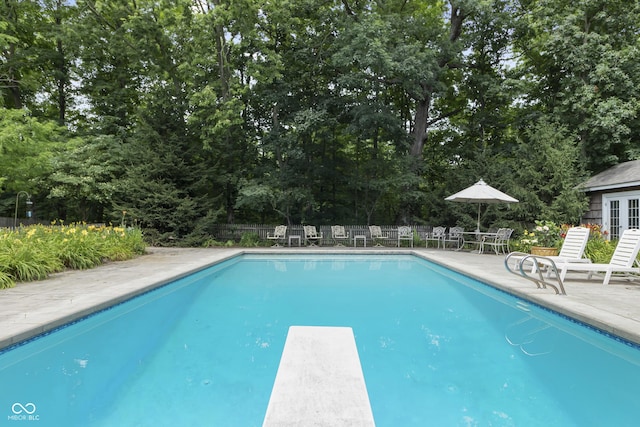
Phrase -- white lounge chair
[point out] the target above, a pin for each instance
(622, 262)
(572, 249)
(339, 235)
(311, 235)
(376, 234)
(405, 233)
(279, 234)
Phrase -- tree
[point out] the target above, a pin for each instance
(183, 112)
(82, 179)
(20, 63)
(582, 57)
(548, 168)
(55, 91)
(26, 147)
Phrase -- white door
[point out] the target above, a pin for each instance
(620, 211)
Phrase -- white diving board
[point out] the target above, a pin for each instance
(319, 381)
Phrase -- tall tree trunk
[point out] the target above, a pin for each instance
(62, 85)
(13, 83)
(420, 126)
(61, 67)
(423, 100)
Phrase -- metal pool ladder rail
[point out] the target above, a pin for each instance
(533, 260)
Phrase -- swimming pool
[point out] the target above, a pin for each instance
(436, 348)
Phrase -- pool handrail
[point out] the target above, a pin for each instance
(540, 282)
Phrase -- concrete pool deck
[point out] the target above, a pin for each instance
(30, 309)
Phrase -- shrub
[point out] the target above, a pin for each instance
(120, 244)
(34, 252)
(250, 239)
(211, 242)
(77, 248)
(599, 250)
(26, 256)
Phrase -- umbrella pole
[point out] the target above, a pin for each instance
(478, 229)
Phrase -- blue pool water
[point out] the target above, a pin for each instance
(436, 348)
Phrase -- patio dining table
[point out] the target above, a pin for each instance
(479, 237)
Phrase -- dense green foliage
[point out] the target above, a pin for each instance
(184, 113)
(34, 252)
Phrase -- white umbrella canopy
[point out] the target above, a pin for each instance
(481, 192)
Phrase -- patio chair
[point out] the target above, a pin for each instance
(279, 234)
(499, 242)
(376, 234)
(437, 235)
(456, 235)
(311, 235)
(621, 264)
(405, 233)
(339, 235)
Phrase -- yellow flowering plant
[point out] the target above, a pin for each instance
(34, 252)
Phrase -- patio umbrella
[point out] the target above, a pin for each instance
(479, 193)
